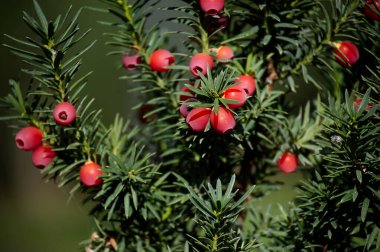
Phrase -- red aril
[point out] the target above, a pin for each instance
(42, 156)
(28, 138)
(130, 62)
(235, 94)
(223, 121)
(247, 83)
(346, 53)
(90, 174)
(199, 63)
(198, 118)
(211, 7)
(160, 60)
(287, 162)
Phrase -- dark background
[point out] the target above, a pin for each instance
(34, 215)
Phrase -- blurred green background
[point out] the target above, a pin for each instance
(35, 216)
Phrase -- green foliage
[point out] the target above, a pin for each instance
(341, 201)
(217, 214)
(269, 230)
(373, 81)
(152, 196)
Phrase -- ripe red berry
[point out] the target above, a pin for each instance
(28, 138)
(185, 109)
(160, 60)
(130, 62)
(211, 7)
(183, 97)
(90, 174)
(199, 63)
(42, 156)
(247, 83)
(346, 53)
(287, 162)
(370, 8)
(224, 53)
(198, 118)
(64, 113)
(236, 94)
(222, 122)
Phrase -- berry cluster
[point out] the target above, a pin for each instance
(221, 118)
(30, 138)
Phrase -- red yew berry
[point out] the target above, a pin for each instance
(223, 121)
(370, 8)
(346, 53)
(130, 62)
(90, 174)
(160, 60)
(247, 83)
(198, 118)
(236, 94)
(28, 138)
(199, 63)
(224, 53)
(185, 108)
(211, 7)
(42, 156)
(287, 162)
(64, 113)
(183, 97)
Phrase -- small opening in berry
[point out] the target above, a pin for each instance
(131, 66)
(19, 143)
(197, 69)
(40, 166)
(63, 115)
(212, 12)
(171, 60)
